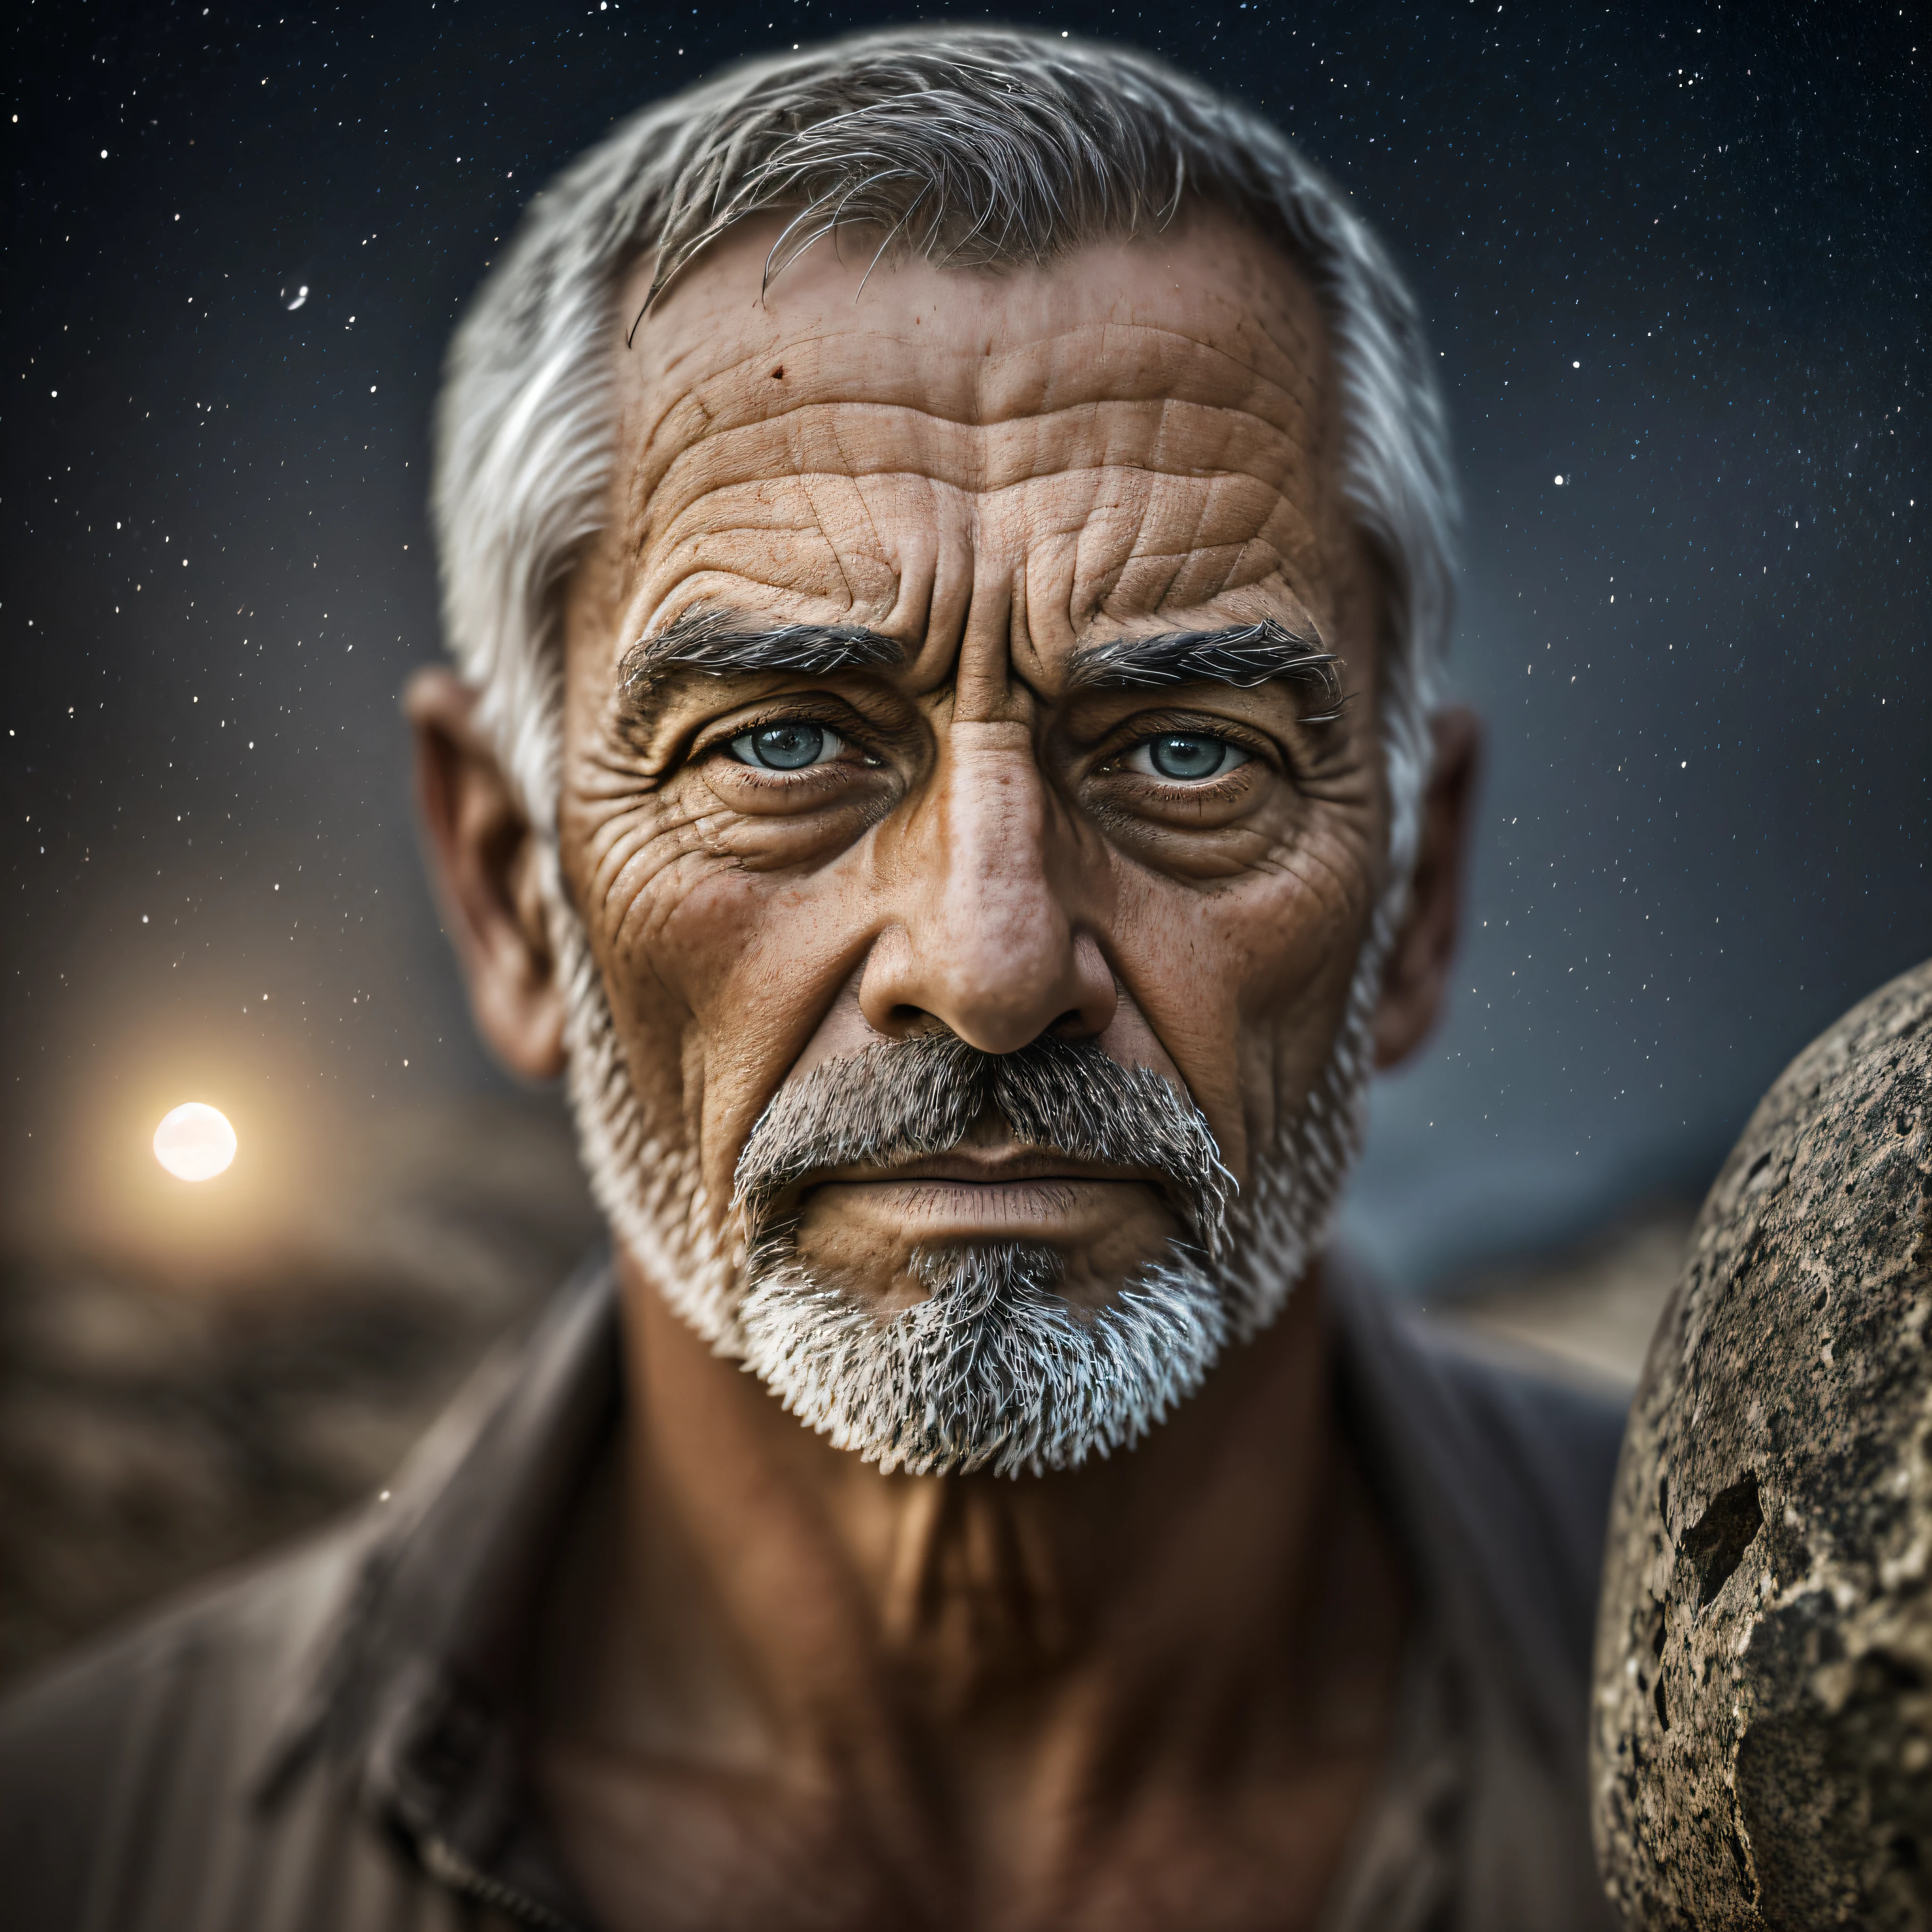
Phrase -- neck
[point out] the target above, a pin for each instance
(745, 1597)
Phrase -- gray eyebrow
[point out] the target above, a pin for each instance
(719, 643)
(1243, 656)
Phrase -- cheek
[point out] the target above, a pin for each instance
(1247, 986)
(718, 974)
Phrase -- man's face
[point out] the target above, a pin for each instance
(858, 747)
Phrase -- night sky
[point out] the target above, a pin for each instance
(1675, 259)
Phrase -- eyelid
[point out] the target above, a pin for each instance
(829, 713)
(1131, 733)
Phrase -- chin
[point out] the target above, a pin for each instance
(993, 1368)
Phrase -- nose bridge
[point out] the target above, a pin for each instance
(990, 938)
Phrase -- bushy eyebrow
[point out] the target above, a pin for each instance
(720, 642)
(1243, 656)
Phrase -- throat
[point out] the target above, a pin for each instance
(974, 1595)
(754, 1599)
(852, 1596)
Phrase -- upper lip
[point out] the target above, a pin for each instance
(986, 1170)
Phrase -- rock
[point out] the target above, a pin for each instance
(1763, 1733)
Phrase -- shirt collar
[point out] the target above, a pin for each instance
(419, 1691)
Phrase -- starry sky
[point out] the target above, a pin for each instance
(1675, 260)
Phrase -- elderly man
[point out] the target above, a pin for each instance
(945, 547)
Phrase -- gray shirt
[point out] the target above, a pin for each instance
(335, 1739)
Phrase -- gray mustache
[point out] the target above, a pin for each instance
(903, 1099)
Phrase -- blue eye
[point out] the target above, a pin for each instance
(790, 745)
(1187, 757)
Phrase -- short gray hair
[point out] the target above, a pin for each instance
(972, 146)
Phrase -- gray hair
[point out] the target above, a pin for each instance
(971, 146)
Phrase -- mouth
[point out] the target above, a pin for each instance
(1031, 1194)
(968, 1167)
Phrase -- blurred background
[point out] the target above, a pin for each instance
(1675, 261)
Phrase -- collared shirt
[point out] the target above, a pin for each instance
(338, 1739)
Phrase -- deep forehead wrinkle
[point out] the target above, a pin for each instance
(707, 389)
(1243, 656)
(996, 353)
(722, 642)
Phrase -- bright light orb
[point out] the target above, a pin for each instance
(195, 1142)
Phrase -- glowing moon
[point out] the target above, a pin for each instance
(195, 1142)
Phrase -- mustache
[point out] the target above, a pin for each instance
(902, 1100)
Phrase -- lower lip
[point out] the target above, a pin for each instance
(937, 1209)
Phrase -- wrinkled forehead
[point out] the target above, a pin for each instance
(1140, 432)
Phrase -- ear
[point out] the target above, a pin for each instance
(483, 860)
(1415, 981)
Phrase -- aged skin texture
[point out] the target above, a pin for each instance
(784, 1689)
(1763, 1732)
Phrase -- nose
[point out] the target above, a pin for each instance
(990, 882)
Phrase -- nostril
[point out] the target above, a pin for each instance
(904, 1022)
(1072, 1025)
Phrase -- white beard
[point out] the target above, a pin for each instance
(994, 1370)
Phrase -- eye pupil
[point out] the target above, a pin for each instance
(1186, 755)
(789, 747)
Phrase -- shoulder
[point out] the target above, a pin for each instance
(1500, 1465)
(1558, 1434)
(159, 1731)
(1535, 1450)
(1496, 1469)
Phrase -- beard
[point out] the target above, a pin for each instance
(994, 1369)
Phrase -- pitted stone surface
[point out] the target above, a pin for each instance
(1763, 1734)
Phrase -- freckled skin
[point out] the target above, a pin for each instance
(780, 1690)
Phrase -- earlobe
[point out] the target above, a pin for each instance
(1415, 980)
(484, 859)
